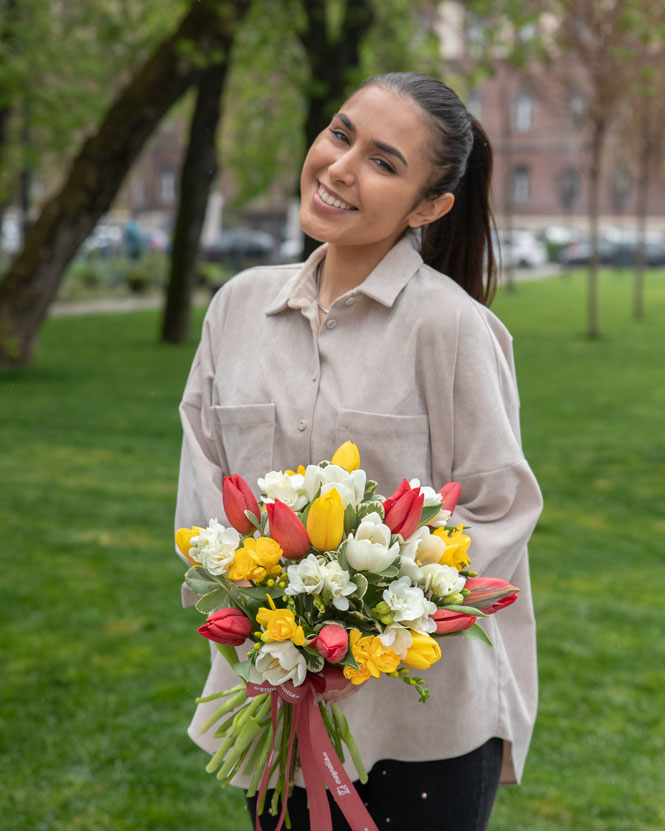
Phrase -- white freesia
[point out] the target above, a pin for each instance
(350, 486)
(278, 662)
(287, 487)
(421, 548)
(369, 549)
(306, 577)
(338, 582)
(410, 606)
(397, 638)
(442, 580)
(432, 498)
(215, 546)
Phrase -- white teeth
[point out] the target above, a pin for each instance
(330, 200)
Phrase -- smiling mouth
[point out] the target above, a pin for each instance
(333, 201)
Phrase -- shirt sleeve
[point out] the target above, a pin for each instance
(202, 460)
(500, 498)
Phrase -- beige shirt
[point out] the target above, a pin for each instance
(420, 376)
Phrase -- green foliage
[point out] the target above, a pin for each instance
(101, 665)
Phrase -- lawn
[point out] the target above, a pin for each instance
(101, 665)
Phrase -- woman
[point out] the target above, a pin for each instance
(369, 341)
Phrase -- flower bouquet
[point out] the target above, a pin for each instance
(324, 583)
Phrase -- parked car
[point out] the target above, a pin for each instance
(240, 248)
(106, 240)
(521, 249)
(613, 253)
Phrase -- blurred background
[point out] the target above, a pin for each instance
(150, 151)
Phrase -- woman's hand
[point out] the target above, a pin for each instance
(339, 695)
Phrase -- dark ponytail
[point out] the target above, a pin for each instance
(460, 243)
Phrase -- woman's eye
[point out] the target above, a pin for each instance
(383, 164)
(339, 135)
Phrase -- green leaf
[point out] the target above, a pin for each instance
(467, 610)
(313, 660)
(349, 518)
(216, 599)
(242, 669)
(260, 592)
(370, 488)
(370, 507)
(348, 661)
(474, 633)
(429, 512)
(361, 582)
(199, 581)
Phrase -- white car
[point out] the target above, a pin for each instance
(520, 249)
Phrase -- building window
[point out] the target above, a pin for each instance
(475, 104)
(521, 185)
(569, 187)
(523, 111)
(167, 187)
(576, 110)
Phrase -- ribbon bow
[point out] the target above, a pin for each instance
(319, 762)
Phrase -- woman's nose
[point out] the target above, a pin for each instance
(342, 169)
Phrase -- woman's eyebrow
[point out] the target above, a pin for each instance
(387, 148)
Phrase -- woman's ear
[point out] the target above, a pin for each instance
(429, 210)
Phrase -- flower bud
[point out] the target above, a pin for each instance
(287, 528)
(182, 540)
(384, 613)
(325, 521)
(423, 652)
(489, 594)
(347, 456)
(450, 493)
(448, 621)
(227, 626)
(454, 599)
(332, 643)
(403, 509)
(238, 498)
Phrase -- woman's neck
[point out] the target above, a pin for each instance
(347, 266)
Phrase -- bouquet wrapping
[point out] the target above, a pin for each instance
(324, 584)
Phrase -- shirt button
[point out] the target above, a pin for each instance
(350, 301)
(302, 424)
(331, 323)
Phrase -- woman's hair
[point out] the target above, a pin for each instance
(460, 243)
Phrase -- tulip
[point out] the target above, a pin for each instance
(332, 643)
(325, 521)
(347, 456)
(423, 652)
(489, 594)
(403, 509)
(450, 493)
(230, 627)
(182, 540)
(288, 530)
(448, 621)
(238, 498)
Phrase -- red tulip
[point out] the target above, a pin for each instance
(287, 529)
(227, 626)
(403, 509)
(332, 643)
(450, 493)
(448, 621)
(238, 498)
(489, 594)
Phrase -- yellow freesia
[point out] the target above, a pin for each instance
(325, 521)
(280, 625)
(423, 652)
(255, 560)
(347, 456)
(182, 540)
(301, 471)
(371, 656)
(457, 544)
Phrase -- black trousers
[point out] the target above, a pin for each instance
(445, 795)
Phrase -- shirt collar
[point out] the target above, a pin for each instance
(383, 284)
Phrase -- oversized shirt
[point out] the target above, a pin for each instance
(420, 377)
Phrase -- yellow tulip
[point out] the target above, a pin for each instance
(325, 521)
(423, 652)
(347, 456)
(182, 540)
(457, 544)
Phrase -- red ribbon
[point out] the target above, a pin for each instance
(320, 764)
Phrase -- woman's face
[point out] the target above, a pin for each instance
(365, 172)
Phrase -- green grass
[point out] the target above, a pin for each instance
(100, 664)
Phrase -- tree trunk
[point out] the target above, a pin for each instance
(645, 166)
(330, 63)
(507, 98)
(594, 193)
(198, 172)
(99, 169)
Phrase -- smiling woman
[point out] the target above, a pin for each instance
(384, 337)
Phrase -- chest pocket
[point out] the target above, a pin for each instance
(247, 433)
(392, 447)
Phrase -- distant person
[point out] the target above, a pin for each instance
(134, 241)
